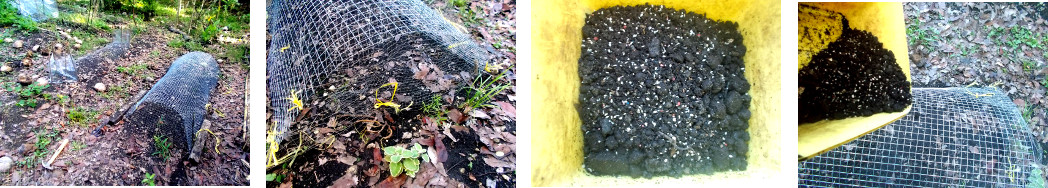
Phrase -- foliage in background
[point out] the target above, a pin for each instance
(9, 17)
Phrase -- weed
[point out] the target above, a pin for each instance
(77, 146)
(1028, 113)
(149, 179)
(133, 70)
(162, 147)
(235, 53)
(484, 90)
(1028, 65)
(82, 117)
(27, 95)
(44, 138)
(435, 108)
(458, 3)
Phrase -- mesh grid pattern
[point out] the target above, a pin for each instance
(90, 67)
(950, 138)
(178, 99)
(341, 52)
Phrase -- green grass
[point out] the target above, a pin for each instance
(162, 147)
(235, 53)
(9, 17)
(84, 22)
(82, 117)
(77, 146)
(483, 91)
(919, 36)
(27, 95)
(1028, 112)
(133, 70)
(116, 91)
(435, 108)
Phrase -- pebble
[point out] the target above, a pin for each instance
(5, 68)
(8, 40)
(5, 164)
(76, 46)
(24, 79)
(36, 47)
(100, 87)
(17, 44)
(41, 81)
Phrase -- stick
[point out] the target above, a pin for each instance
(53, 157)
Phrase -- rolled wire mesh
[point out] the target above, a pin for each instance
(176, 104)
(341, 52)
(953, 137)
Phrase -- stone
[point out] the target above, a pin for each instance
(41, 81)
(18, 44)
(76, 46)
(6, 163)
(8, 40)
(24, 79)
(100, 87)
(36, 48)
(5, 68)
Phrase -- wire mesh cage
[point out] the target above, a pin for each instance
(340, 53)
(176, 103)
(954, 137)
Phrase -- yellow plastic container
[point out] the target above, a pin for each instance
(557, 137)
(884, 20)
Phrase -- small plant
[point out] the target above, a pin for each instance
(150, 179)
(132, 70)
(435, 108)
(77, 146)
(458, 3)
(484, 90)
(27, 95)
(162, 147)
(82, 117)
(402, 160)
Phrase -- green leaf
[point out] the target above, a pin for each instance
(411, 164)
(389, 150)
(410, 154)
(271, 177)
(386, 158)
(417, 147)
(425, 158)
(411, 173)
(395, 158)
(395, 169)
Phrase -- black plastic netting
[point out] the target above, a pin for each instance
(89, 68)
(175, 106)
(953, 137)
(339, 53)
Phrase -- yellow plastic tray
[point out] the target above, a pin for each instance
(557, 136)
(884, 20)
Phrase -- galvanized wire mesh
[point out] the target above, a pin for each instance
(176, 103)
(953, 137)
(338, 53)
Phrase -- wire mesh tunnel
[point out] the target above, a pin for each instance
(340, 53)
(968, 137)
(89, 68)
(175, 106)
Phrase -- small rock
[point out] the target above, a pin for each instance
(58, 46)
(500, 154)
(17, 44)
(5, 68)
(76, 46)
(5, 164)
(8, 40)
(24, 79)
(41, 81)
(100, 87)
(36, 48)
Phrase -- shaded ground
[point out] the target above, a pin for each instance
(74, 111)
(472, 147)
(987, 44)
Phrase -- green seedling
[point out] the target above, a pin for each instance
(402, 160)
(435, 108)
(27, 95)
(163, 147)
(149, 179)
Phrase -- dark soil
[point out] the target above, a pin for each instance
(662, 93)
(853, 76)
